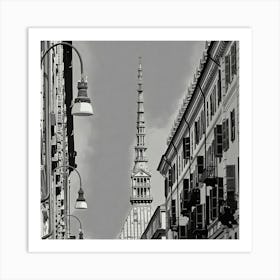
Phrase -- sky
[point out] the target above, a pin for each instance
(105, 141)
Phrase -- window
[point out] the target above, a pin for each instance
(165, 187)
(183, 232)
(232, 124)
(202, 119)
(230, 64)
(207, 114)
(196, 132)
(200, 216)
(214, 202)
(225, 135)
(227, 70)
(173, 212)
(186, 147)
(230, 174)
(170, 178)
(218, 136)
(174, 173)
(233, 59)
(219, 89)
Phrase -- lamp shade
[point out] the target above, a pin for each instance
(81, 202)
(82, 104)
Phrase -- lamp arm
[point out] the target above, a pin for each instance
(73, 168)
(69, 45)
(77, 220)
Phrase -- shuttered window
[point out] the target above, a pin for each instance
(173, 212)
(214, 202)
(200, 216)
(227, 70)
(207, 115)
(233, 59)
(219, 88)
(232, 124)
(185, 196)
(230, 175)
(218, 136)
(200, 165)
(170, 178)
(165, 187)
(186, 148)
(225, 129)
(183, 232)
(196, 133)
(220, 189)
(173, 173)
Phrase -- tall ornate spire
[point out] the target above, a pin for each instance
(140, 149)
(141, 173)
(140, 199)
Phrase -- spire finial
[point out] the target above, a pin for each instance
(140, 68)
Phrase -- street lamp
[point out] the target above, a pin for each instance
(80, 202)
(82, 104)
(81, 234)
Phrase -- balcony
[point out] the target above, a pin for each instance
(209, 176)
(141, 199)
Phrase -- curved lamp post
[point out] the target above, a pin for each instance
(81, 235)
(82, 104)
(80, 202)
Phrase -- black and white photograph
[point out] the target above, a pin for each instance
(140, 140)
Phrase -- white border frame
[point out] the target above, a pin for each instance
(244, 35)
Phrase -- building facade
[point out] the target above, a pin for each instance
(141, 199)
(201, 162)
(157, 225)
(57, 139)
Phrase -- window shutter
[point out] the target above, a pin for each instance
(183, 232)
(218, 135)
(196, 133)
(227, 70)
(173, 173)
(185, 194)
(168, 219)
(233, 58)
(186, 148)
(165, 187)
(214, 202)
(208, 207)
(200, 216)
(230, 174)
(200, 164)
(173, 212)
(220, 189)
(227, 134)
(219, 88)
(232, 122)
(211, 107)
(196, 196)
(170, 178)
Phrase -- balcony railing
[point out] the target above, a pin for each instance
(143, 198)
(209, 175)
